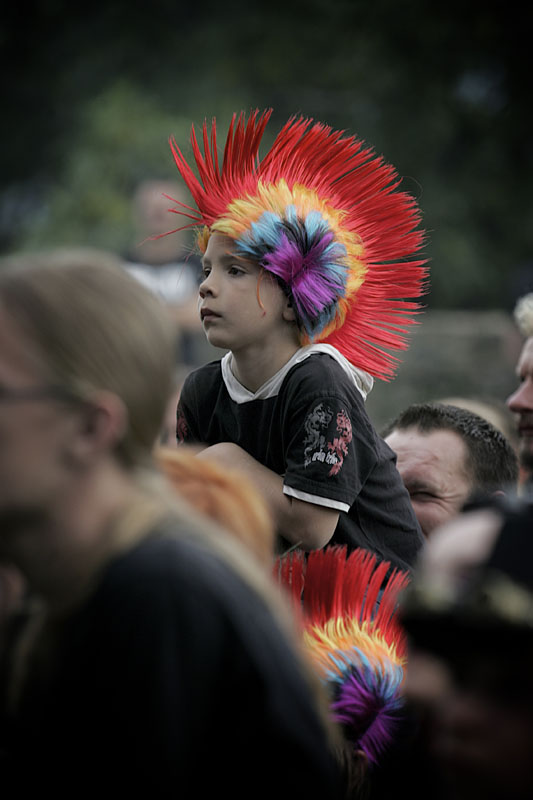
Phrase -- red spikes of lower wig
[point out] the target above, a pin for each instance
(328, 584)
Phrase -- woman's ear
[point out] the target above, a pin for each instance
(101, 425)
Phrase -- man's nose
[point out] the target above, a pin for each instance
(522, 398)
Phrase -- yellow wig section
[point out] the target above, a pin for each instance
(342, 636)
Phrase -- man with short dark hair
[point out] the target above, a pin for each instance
(447, 454)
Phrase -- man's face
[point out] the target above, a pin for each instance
(433, 468)
(521, 403)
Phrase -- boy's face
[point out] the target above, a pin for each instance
(240, 304)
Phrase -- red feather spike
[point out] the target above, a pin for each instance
(379, 572)
(324, 569)
(214, 148)
(289, 572)
(386, 618)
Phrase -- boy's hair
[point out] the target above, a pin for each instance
(324, 215)
(491, 461)
(95, 327)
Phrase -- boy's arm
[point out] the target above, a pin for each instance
(306, 524)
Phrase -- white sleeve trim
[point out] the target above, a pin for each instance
(316, 499)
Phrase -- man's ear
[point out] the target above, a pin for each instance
(100, 425)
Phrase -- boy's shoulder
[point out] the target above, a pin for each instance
(205, 377)
(322, 374)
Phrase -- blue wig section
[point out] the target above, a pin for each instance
(307, 260)
(384, 676)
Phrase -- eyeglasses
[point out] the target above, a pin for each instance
(35, 394)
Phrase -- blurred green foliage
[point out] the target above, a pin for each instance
(443, 91)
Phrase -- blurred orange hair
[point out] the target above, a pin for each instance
(226, 496)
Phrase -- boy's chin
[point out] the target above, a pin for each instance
(217, 341)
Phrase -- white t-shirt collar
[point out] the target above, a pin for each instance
(239, 394)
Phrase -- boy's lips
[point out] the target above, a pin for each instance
(207, 314)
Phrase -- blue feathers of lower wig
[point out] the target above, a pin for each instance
(368, 700)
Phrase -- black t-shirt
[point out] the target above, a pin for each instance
(313, 430)
(172, 680)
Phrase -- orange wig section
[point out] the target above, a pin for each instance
(226, 496)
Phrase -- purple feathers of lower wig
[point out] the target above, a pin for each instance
(368, 703)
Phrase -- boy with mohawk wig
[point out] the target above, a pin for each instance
(308, 257)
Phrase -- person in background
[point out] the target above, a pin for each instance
(494, 411)
(167, 265)
(305, 256)
(521, 401)
(153, 657)
(446, 454)
(468, 613)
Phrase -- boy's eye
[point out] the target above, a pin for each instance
(234, 270)
(205, 271)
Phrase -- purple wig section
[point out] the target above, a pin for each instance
(303, 254)
(368, 704)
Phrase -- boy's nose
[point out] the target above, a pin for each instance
(206, 287)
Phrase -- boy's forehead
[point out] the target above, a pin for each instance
(219, 245)
(224, 249)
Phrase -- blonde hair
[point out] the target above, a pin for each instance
(523, 314)
(226, 496)
(96, 328)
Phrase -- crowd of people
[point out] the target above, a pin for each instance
(288, 601)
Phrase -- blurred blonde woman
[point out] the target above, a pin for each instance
(154, 659)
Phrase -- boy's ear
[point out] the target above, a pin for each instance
(288, 312)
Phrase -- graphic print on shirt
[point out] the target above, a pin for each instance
(339, 446)
(316, 426)
(182, 430)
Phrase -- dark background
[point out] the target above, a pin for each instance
(91, 93)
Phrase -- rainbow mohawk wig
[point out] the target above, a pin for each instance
(323, 214)
(353, 637)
